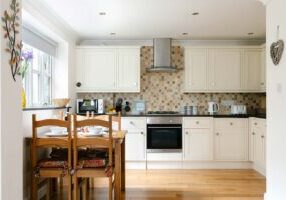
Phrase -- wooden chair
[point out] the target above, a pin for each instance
(63, 167)
(81, 171)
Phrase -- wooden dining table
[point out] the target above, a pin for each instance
(119, 169)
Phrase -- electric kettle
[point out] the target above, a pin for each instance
(213, 107)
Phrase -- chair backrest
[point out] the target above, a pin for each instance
(58, 142)
(92, 142)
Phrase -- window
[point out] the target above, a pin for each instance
(37, 81)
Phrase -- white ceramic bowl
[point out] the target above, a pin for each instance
(94, 130)
(58, 130)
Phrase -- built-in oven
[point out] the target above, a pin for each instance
(164, 134)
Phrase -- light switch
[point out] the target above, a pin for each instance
(279, 87)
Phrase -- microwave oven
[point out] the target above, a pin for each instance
(95, 106)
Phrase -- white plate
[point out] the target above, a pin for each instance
(60, 134)
(93, 134)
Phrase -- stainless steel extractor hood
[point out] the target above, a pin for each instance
(162, 56)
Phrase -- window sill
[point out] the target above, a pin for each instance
(46, 108)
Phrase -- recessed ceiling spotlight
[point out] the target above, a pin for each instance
(250, 33)
(184, 33)
(102, 13)
(195, 13)
(112, 33)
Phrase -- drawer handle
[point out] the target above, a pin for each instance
(131, 122)
(255, 123)
(253, 133)
(187, 133)
(142, 133)
(217, 134)
(231, 123)
(262, 136)
(197, 122)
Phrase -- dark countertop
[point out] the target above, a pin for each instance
(199, 115)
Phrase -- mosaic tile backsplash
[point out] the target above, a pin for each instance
(163, 91)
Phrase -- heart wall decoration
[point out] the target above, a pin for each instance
(276, 51)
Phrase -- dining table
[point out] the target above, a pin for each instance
(119, 164)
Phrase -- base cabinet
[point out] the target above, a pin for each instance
(231, 142)
(257, 144)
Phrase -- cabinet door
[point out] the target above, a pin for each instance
(97, 70)
(195, 70)
(129, 70)
(263, 71)
(198, 144)
(252, 70)
(135, 146)
(225, 69)
(252, 139)
(230, 146)
(259, 149)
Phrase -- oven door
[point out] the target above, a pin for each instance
(164, 138)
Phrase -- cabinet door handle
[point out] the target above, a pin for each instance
(142, 133)
(262, 136)
(253, 133)
(255, 124)
(217, 134)
(261, 83)
(231, 123)
(187, 133)
(197, 122)
(131, 122)
(78, 84)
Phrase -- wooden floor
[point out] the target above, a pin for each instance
(190, 184)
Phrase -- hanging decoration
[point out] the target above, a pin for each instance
(11, 28)
(276, 49)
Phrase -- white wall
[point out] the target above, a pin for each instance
(11, 127)
(276, 98)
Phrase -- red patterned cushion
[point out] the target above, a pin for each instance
(92, 163)
(52, 163)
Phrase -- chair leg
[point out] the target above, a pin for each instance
(48, 194)
(84, 191)
(69, 187)
(87, 188)
(75, 188)
(34, 188)
(110, 188)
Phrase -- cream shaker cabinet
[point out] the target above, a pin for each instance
(263, 71)
(195, 70)
(198, 139)
(225, 69)
(257, 143)
(108, 69)
(231, 139)
(252, 70)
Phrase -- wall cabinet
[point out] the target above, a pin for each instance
(252, 70)
(263, 71)
(198, 139)
(224, 69)
(231, 139)
(196, 69)
(257, 144)
(108, 69)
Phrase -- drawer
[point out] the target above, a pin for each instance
(133, 123)
(257, 122)
(226, 124)
(202, 122)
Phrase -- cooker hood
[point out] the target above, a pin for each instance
(162, 56)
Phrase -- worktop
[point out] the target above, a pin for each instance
(263, 116)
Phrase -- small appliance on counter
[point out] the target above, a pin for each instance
(139, 107)
(127, 108)
(238, 109)
(213, 108)
(95, 106)
(118, 105)
(190, 110)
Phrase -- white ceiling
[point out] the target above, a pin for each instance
(146, 19)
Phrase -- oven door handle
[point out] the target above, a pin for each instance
(157, 127)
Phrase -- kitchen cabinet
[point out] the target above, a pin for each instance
(195, 69)
(252, 70)
(108, 69)
(257, 144)
(263, 71)
(198, 139)
(225, 69)
(135, 142)
(231, 139)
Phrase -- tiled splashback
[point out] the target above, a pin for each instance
(163, 91)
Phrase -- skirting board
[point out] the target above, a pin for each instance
(261, 170)
(198, 165)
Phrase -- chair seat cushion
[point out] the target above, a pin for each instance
(53, 163)
(92, 163)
